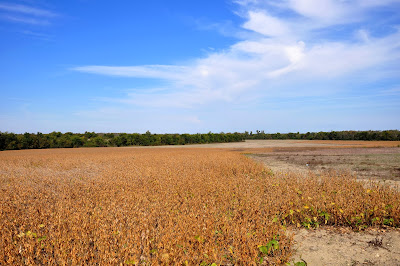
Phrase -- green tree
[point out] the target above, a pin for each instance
(77, 141)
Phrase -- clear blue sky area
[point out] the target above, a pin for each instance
(199, 66)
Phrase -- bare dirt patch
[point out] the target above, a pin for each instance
(341, 246)
(366, 163)
(330, 246)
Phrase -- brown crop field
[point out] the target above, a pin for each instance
(185, 206)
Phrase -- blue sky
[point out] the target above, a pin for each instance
(197, 66)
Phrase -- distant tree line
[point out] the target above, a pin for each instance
(333, 135)
(12, 141)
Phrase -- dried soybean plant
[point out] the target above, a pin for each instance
(168, 206)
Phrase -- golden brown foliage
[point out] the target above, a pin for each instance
(168, 206)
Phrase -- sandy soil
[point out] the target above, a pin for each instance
(381, 164)
(330, 246)
(339, 246)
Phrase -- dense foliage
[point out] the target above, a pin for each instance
(333, 135)
(11, 141)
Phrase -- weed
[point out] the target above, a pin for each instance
(388, 222)
(269, 249)
(325, 215)
(300, 263)
(376, 242)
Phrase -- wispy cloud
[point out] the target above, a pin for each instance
(149, 71)
(27, 10)
(265, 24)
(26, 14)
(26, 20)
(37, 35)
(284, 56)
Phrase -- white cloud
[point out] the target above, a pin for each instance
(148, 71)
(287, 52)
(323, 10)
(265, 24)
(26, 20)
(27, 10)
(245, 2)
(363, 35)
(376, 3)
(25, 14)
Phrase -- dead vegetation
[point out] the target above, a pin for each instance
(376, 242)
(169, 206)
(366, 163)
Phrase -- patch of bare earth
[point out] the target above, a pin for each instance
(342, 246)
(332, 246)
(378, 164)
